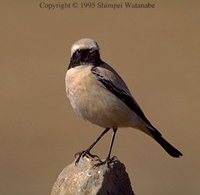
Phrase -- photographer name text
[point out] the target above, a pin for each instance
(93, 5)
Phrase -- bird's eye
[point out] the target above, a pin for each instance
(91, 50)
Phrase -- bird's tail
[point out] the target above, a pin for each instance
(150, 130)
(171, 150)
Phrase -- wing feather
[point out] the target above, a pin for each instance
(114, 84)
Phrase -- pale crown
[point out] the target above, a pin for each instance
(84, 44)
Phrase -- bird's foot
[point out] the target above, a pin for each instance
(84, 153)
(108, 161)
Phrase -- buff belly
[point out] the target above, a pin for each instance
(93, 102)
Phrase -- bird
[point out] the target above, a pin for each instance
(98, 94)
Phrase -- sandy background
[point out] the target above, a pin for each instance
(157, 52)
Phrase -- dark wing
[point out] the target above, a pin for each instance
(121, 91)
(121, 94)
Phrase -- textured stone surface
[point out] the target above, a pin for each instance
(87, 179)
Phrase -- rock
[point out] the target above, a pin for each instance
(87, 179)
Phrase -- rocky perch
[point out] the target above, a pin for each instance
(85, 178)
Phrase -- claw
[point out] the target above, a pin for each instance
(108, 161)
(82, 154)
(114, 158)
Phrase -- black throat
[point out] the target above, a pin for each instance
(85, 56)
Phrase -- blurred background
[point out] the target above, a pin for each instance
(156, 51)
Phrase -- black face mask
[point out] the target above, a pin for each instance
(85, 56)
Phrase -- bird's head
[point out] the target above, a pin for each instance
(84, 51)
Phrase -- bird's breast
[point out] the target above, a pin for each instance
(79, 88)
(92, 101)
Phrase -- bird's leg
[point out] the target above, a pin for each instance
(111, 144)
(108, 159)
(87, 151)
